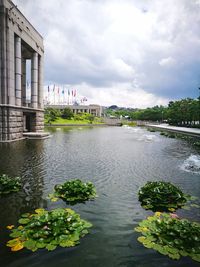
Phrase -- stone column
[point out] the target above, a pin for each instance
(18, 71)
(40, 82)
(23, 82)
(11, 66)
(34, 80)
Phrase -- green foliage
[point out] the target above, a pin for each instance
(170, 236)
(157, 113)
(151, 130)
(48, 229)
(131, 123)
(8, 184)
(74, 191)
(161, 196)
(51, 114)
(168, 134)
(67, 113)
(184, 112)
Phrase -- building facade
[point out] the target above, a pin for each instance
(95, 110)
(19, 43)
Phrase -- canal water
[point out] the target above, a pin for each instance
(118, 160)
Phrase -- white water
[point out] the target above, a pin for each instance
(192, 164)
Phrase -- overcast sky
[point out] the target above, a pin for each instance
(132, 53)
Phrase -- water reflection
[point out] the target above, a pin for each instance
(118, 161)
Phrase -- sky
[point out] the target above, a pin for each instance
(130, 53)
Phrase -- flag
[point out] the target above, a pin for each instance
(74, 92)
(54, 88)
(68, 92)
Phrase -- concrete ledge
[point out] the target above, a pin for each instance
(36, 135)
(195, 132)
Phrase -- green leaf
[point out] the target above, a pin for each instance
(30, 244)
(67, 243)
(41, 245)
(50, 247)
(24, 220)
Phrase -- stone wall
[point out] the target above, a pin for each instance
(38, 122)
(11, 123)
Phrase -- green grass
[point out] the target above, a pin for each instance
(72, 121)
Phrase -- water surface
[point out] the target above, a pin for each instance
(118, 160)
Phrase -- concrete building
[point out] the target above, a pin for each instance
(19, 42)
(95, 110)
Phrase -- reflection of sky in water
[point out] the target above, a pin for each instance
(118, 160)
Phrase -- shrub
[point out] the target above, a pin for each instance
(67, 113)
(171, 236)
(161, 196)
(8, 184)
(48, 229)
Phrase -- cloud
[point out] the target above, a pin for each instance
(118, 45)
(167, 62)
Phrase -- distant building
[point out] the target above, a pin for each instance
(95, 110)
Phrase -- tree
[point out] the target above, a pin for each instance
(67, 113)
(51, 114)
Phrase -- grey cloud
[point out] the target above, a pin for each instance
(87, 41)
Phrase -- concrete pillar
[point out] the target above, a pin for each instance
(40, 82)
(23, 82)
(34, 80)
(18, 71)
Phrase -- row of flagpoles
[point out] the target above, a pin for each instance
(57, 95)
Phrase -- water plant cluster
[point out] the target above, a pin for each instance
(48, 229)
(9, 184)
(58, 227)
(161, 196)
(74, 191)
(164, 232)
(170, 236)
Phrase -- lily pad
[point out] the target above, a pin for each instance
(170, 236)
(48, 229)
(9, 185)
(161, 196)
(74, 191)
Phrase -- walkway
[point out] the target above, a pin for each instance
(189, 131)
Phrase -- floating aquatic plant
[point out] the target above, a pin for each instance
(9, 184)
(48, 229)
(170, 236)
(74, 191)
(161, 196)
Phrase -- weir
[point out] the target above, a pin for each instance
(20, 44)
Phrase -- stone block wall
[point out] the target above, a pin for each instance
(11, 124)
(38, 122)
